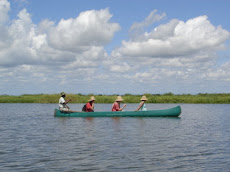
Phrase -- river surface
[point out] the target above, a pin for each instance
(32, 139)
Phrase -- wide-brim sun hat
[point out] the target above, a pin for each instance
(143, 98)
(62, 93)
(119, 99)
(92, 98)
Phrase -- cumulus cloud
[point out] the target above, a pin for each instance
(89, 28)
(18, 41)
(72, 51)
(174, 51)
(124, 67)
(49, 52)
(4, 9)
(177, 38)
(74, 40)
(221, 73)
(138, 27)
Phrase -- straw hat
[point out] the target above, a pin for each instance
(92, 98)
(143, 98)
(119, 99)
(62, 93)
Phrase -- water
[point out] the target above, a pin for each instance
(32, 139)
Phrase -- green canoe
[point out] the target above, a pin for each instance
(173, 112)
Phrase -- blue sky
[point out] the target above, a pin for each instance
(114, 47)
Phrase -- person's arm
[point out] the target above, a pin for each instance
(64, 103)
(67, 101)
(140, 106)
(92, 107)
(122, 107)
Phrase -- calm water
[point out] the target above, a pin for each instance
(32, 139)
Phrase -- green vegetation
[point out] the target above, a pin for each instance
(128, 98)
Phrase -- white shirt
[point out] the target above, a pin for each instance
(61, 103)
(143, 107)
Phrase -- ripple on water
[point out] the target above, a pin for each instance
(34, 140)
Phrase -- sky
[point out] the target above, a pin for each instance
(114, 46)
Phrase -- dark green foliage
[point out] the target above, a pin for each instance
(201, 98)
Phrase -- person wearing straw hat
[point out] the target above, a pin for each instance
(116, 104)
(90, 104)
(142, 105)
(62, 103)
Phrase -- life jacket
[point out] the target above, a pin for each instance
(84, 108)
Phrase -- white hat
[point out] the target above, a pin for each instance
(119, 99)
(143, 98)
(91, 99)
(62, 93)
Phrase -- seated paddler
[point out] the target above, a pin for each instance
(116, 104)
(90, 104)
(142, 105)
(62, 103)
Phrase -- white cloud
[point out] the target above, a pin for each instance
(70, 41)
(88, 59)
(174, 52)
(72, 52)
(4, 9)
(89, 28)
(221, 73)
(152, 17)
(183, 38)
(124, 67)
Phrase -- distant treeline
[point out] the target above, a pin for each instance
(128, 98)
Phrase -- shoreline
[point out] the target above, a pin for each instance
(201, 98)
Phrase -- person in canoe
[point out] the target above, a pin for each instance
(90, 104)
(142, 105)
(116, 104)
(62, 103)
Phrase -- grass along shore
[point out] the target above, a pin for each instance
(128, 98)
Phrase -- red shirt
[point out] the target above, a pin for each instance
(115, 107)
(88, 107)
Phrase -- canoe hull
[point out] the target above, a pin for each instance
(173, 112)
